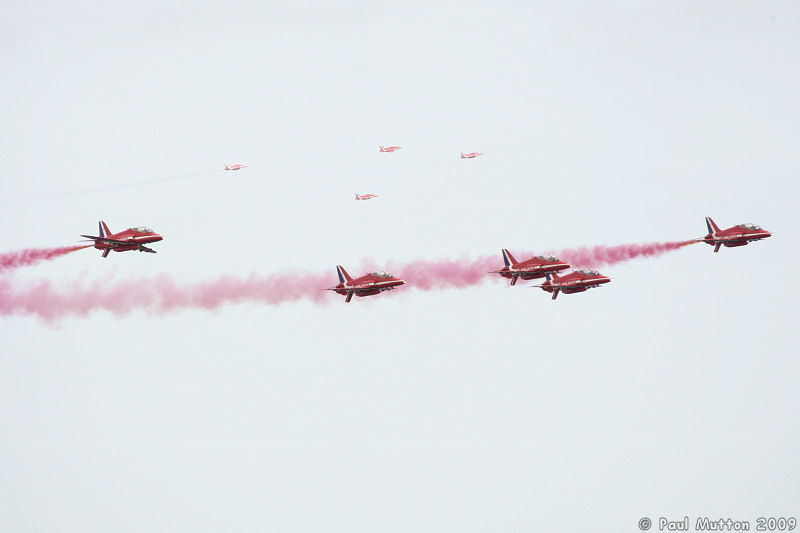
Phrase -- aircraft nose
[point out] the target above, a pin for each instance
(159, 237)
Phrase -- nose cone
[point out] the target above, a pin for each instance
(157, 238)
(766, 234)
(603, 279)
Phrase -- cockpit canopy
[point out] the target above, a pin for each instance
(141, 229)
(749, 226)
(381, 274)
(548, 257)
(589, 272)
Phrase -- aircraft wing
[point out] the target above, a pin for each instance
(146, 249)
(360, 289)
(105, 240)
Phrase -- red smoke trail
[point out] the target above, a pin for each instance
(599, 256)
(164, 294)
(159, 295)
(31, 256)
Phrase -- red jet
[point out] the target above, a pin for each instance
(577, 281)
(390, 148)
(130, 239)
(470, 155)
(535, 267)
(365, 196)
(237, 166)
(738, 235)
(366, 285)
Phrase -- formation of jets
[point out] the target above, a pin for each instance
(541, 266)
(124, 241)
(395, 148)
(547, 266)
(738, 235)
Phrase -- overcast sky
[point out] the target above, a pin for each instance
(670, 392)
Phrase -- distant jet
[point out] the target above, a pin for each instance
(577, 281)
(237, 166)
(390, 148)
(130, 239)
(738, 235)
(365, 196)
(535, 267)
(470, 155)
(366, 285)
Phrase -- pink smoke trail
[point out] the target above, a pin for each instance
(164, 294)
(160, 295)
(599, 256)
(31, 256)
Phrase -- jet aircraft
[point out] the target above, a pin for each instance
(390, 148)
(470, 155)
(738, 235)
(366, 285)
(535, 267)
(237, 166)
(130, 239)
(577, 281)
(365, 196)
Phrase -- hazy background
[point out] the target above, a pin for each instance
(670, 392)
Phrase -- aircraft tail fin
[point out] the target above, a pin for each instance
(103, 228)
(508, 259)
(711, 225)
(343, 275)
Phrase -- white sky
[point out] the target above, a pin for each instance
(670, 392)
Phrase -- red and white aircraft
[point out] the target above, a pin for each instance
(365, 196)
(738, 235)
(237, 166)
(535, 267)
(366, 285)
(130, 239)
(390, 148)
(470, 155)
(577, 281)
